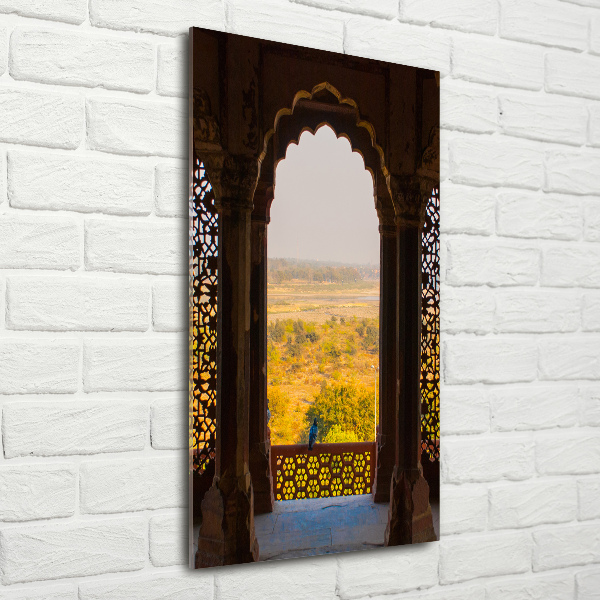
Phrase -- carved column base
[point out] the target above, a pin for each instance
(384, 472)
(262, 480)
(201, 485)
(409, 518)
(227, 532)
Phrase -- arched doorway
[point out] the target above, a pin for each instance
(240, 143)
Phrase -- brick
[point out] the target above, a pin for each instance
(118, 486)
(537, 311)
(3, 189)
(482, 113)
(136, 246)
(79, 184)
(530, 587)
(467, 210)
(167, 17)
(534, 215)
(570, 358)
(544, 118)
(39, 243)
(3, 49)
(588, 492)
(41, 118)
(499, 554)
(489, 360)
(398, 42)
(590, 315)
(169, 424)
(447, 593)
(69, 11)
(592, 222)
(170, 304)
(544, 22)
(532, 503)
(171, 191)
(69, 428)
(290, 23)
(566, 546)
(583, 2)
(77, 304)
(496, 161)
(480, 262)
(569, 453)
(479, 16)
(183, 587)
(588, 584)
(572, 172)
(82, 59)
(595, 35)
(531, 408)
(498, 457)
(498, 62)
(77, 550)
(38, 367)
(138, 128)
(29, 492)
(172, 69)
(384, 8)
(305, 579)
(571, 266)
(168, 540)
(594, 128)
(59, 592)
(467, 309)
(572, 74)
(465, 410)
(589, 413)
(395, 572)
(134, 365)
(463, 509)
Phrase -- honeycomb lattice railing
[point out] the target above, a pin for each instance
(325, 471)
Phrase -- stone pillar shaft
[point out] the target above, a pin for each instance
(386, 442)
(409, 518)
(260, 443)
(227, 530)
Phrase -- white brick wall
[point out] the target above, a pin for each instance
(92, 306)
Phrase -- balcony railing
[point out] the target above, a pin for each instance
(325, 471)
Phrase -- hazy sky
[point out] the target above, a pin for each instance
(323, 207)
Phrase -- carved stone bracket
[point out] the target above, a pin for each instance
(430, 160)
(207, 135)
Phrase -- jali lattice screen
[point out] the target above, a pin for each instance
(203, 332)
(430, 332)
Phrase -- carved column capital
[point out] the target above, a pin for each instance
(233, 179)
(411, 195)
(388, 227)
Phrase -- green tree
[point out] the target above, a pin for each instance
(337, 436)
(347, 406)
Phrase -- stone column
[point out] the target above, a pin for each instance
(260, 442)
(227, 530)
(409, 517)
(386, 439)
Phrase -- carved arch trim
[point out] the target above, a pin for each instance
(324, 105)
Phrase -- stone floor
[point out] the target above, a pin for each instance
(325, 526)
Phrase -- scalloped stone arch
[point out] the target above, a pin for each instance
(324, 105)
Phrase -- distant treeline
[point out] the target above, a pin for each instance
(281, 270)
